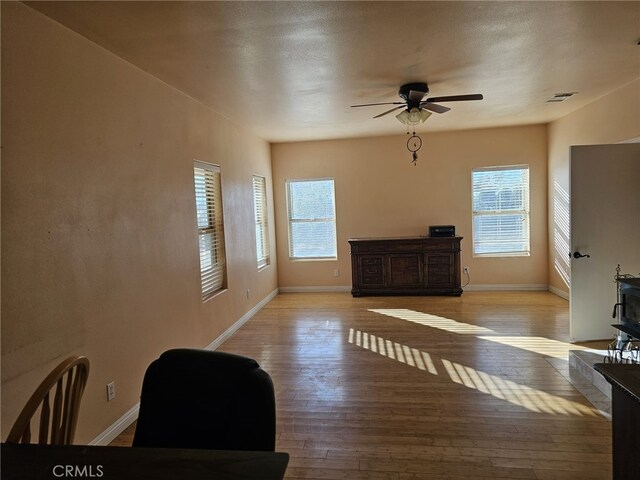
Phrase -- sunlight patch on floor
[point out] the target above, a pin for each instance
(530, 398)
(527, 397)
(433, 321)
(540, 345)
(393, 350)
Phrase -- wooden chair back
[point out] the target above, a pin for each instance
(58, 412)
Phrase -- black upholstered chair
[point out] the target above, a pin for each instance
(204, 399)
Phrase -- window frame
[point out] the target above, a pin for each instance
(291, 221)
(211, 242)
(525, 212)
(261, 221)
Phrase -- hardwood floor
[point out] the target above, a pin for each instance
(431, 388)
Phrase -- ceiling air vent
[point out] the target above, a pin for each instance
(560, 97)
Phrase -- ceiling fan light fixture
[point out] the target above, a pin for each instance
(424, 114)
(413, 116)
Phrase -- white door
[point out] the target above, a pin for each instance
(605, 224)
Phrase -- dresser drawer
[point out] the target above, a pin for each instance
(369, 280)
(414, 246)
(371, 261)
(366, 247)
(449, 244)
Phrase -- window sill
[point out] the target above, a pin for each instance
(328, 259)
(501, 255)
(215, 294)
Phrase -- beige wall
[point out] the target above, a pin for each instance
(99, 251)
(610, 119)
(379, 193)
(99, 247)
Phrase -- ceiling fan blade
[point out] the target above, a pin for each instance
(389, 111)
(416, 95)
(456, 98)
(434, 107)
(374, 104)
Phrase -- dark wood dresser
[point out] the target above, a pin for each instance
(405, 266)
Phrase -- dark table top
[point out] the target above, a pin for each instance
(623, 376)
(30, 462)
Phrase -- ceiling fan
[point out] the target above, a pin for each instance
(414, 103)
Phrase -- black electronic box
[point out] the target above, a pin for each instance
(442, 231)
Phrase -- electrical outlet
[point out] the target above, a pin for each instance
(111, 391)
(466, 270)
(248, 294)
(336, 272)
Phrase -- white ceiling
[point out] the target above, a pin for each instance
(290, 70)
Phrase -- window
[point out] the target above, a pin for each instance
(501, 211)
(312, 219)
(210, 227)
(260, 210)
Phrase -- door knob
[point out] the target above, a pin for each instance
(577, 254)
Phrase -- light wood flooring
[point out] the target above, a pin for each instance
(403, 388)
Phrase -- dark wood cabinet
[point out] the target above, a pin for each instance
(405, 266)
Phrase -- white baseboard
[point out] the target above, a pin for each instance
(321, 289)
(110, 434)
(531, 287)
(120, 425)
(233, 328)
(542, 287)
(558, 292)
(507, 287)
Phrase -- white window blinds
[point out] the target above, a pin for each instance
(312, 219)
(501, 211)
(260, 210)
(210, 227)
